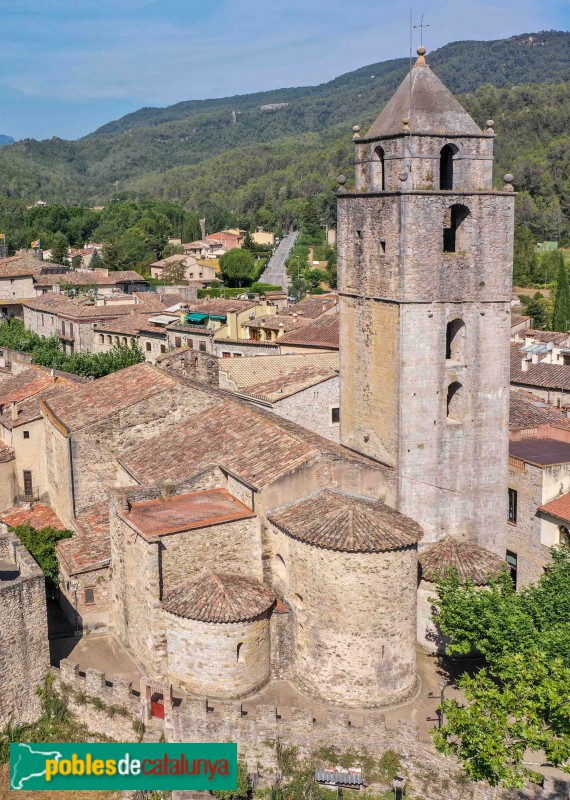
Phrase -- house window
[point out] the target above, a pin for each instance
(177, 341)
(446, 166)
(89, 596)
(512, 506)
(101, 339)
(382, 244)
(26, 434)
(148, 347)
(190, 344)
(202, 347)
(163, 348)
(240, 654)
(455, 218)
(512, 560)
(71, 328)
(563, 536)
(109, 339)
(63, 327)
(11, 280)
(226, 354)
(335, 415)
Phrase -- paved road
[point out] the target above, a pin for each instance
(275, 271)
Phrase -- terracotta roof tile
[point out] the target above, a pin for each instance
(185, 512)
(90, 546)
(473, 563)
(29, 409)
(19, 266)
(529, 411)
(106, 396)
(6, 453)
(541, 375)
(131, 324)
(517, 319)
(252, 370)
(253, 448)
(337, 521)
(560, 507)
(546, 336)
(39, 516)
(313, 307)
(219, 597)
(89, 277)
(27, 384)
(323, 332)
(297, 381)
(542, 452)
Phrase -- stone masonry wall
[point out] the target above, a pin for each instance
(523, 537)
(361, 657)
(311, 408)
(24, 649)
(218, 659)
(257, 727)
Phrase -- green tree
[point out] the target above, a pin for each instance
(174, 273)
(248, 243)
(111, 255)
(96, 260)
(519, 700)
(525, 260)
(238, 267)
(59, 249)
(561, 313)
(41, 544)
(539, 309)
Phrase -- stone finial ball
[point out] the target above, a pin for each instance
(403, 176)
(341, 180)
(406, 121)
(421, 51)
(490, 123)
(356, 128)
(508, 178)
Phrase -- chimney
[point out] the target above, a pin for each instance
(14, 411)
(524, 365)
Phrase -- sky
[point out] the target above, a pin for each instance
(68, 66)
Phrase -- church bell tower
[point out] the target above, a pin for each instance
(425, 278)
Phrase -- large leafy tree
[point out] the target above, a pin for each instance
(519, 700)
(238, 267)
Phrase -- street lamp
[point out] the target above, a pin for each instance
(442, 686)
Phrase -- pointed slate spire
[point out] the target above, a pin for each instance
(430, 108)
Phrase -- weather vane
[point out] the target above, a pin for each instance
(421, 26)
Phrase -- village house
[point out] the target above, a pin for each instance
(22, 431)
(190, 269)
(538, 483)
(549, 381)
(130, 330)
(98, 281)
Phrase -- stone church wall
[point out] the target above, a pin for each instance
(354, 621)
(218, 659)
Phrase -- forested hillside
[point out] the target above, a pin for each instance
(257, 155)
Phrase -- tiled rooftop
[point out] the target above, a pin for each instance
(90, 277)
(250, 446)
(19, 387)
(185, 512)
(472, 562)
(29, 409)
(39, 516)
(297, 381)
(19, 266)
(323, 332)
(313, 307)
(131, 324)
(252, 370)
(529, 411)
(543, 452)
(219, 597)
(560, 507)
(517, 319)
(90, 547)
(6, 453)
(337, 521)
(275, 322)
(541, 375)
(106, 396)
(556, 337)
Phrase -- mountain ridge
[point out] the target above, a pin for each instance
(136, 153)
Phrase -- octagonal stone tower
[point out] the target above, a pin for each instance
(425, 266)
